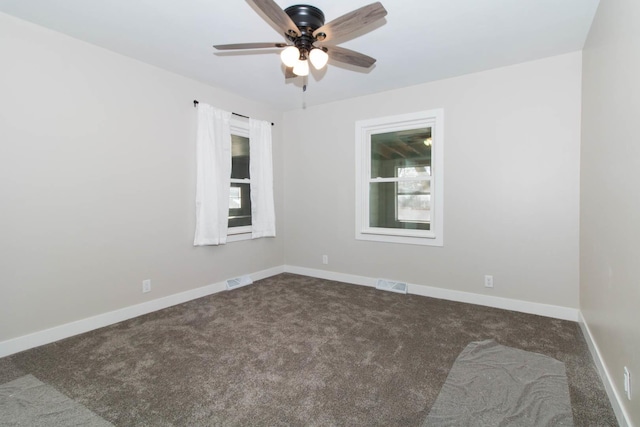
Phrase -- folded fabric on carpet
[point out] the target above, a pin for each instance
(28, 401)
(494, 385)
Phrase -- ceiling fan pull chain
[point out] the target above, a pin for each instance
(305, 80)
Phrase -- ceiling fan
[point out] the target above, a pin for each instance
(306, 33)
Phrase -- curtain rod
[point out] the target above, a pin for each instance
(196, 102)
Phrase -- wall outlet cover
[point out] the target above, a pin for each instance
(627, 382)
(488, 281)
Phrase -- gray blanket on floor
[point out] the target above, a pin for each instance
(30, 402)
(493, 385)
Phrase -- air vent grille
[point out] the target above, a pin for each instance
(238, 282)
(391, 286)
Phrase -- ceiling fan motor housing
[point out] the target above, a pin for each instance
(307, 19)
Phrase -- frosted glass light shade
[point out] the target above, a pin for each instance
(318, 58)
(301, 68)
(290, 56)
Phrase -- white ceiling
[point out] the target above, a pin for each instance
(418, 41)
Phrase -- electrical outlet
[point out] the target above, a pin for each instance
(325, 259)
(627, 382)
(146, 286)
(488, 281)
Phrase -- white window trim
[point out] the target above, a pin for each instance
(364, 129)
(234, 234)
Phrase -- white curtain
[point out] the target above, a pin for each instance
(213, 156)
(263, 218)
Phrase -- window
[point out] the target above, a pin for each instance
(399, 179)
(240, 192)
(234, 182)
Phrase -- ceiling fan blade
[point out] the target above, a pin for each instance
(248, 46)
(288, 73)
(350, 56)
(278, 16)
(351, 22)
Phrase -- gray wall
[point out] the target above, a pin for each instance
(97, 178)
(512, 147)
(610, 206)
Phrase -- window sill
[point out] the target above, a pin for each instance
(236, 234)
(238, 237)
(432, 240)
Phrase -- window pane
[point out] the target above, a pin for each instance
(239, 157)
(235, 198)
(414, 201)
(390, 209)
(414, 207)
(414, 172)
(406, 152)
(414, 187)
(240, 206)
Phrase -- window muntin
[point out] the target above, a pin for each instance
(399, 167)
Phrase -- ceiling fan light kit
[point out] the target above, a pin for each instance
(305, 31)
(301, 68)
(290, 55)
(318, 58)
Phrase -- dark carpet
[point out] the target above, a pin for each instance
(295, 351)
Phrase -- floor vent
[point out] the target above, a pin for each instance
(238, 282)
(388, 285)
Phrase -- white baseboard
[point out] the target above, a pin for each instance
(614, 397)
(67, 330)
(331, 275)
(547, 310)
